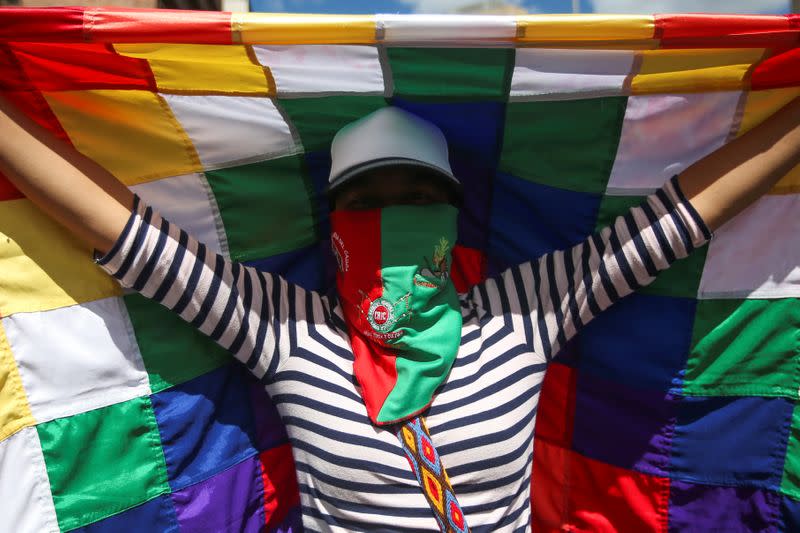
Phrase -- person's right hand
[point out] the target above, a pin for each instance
(71, 188)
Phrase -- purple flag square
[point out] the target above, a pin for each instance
(270, 431)
(293, 523)
(232, 500)
(708, 508)
(626, 427)
(569, 354)
(790, 509)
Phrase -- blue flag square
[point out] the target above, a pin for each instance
(731, 441)
(157, 514)
(205, 425)
(530, 219)
(641, 341)
(605, 410)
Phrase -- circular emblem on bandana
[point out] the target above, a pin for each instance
(381, 315)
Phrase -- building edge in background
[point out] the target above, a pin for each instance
(202, 5)
(236, 6)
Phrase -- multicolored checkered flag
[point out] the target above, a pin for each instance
(675, 410)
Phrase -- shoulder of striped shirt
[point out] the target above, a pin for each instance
(670, 195)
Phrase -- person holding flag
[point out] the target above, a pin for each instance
(396, 368)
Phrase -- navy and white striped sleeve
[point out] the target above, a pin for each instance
(564, 290)
(240, 308)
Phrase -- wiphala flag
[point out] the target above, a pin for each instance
(677, 409)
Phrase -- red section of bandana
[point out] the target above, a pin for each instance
(356, 241)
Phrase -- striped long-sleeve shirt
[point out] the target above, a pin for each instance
(352, 475)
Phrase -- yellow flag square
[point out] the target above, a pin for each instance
(15, 413)
(203, 68)
(674, 71)
(133, 134)
(43, 266)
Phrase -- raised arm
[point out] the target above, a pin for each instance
(726, 181)
(247, 312)
(564, 290)
(71, 188)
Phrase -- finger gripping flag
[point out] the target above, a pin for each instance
(676, 409)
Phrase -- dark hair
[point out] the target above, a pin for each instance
(454, 193)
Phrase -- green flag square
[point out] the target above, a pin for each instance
(682, 278)
(173, 351)
(744, 348)
(104, 461)
(266, 207)
(536, 134)
(790, 484)
(452, 73)
(316, 120)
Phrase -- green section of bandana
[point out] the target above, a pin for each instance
(682, 278)
(536, 134)
(745, 348)
(451, 73)
(790, 484)
(431, 339)
(173, 351)
(103, 461)
(266, 207)
(316, 120)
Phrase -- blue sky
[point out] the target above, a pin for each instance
(533, 6)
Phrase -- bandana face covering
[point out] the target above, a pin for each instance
(400, 306)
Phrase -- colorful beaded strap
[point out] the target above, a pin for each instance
(431, 475)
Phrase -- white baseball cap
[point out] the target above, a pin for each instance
(389, 136)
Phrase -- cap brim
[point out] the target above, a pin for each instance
(355, 172)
